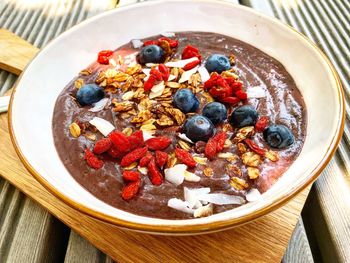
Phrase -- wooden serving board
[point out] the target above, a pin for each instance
(263, 240)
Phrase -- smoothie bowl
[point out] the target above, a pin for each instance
(172, 126)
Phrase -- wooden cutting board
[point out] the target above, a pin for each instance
(263, 240)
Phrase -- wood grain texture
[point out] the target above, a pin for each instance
(18, 52)
(263, 240)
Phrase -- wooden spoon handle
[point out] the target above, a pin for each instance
(15, 52)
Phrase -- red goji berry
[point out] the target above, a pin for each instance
(103, 56)
(136, 140)
(172, 42)
(190, 48)
(133, 156)
(161, 158)
(92, 160)
(148, 85)
(150, 42)
(131, 176)
(158, 143)
(210, 148)
(165, 71)
(190, 52)
(154, 174)
(261, 124)
(102, 145)
(254, 147)
(120, 141)
(130, 190)
(230, 100)
(185, 157)
(190, 65)
(156, 73)
(145, 159)
(115, 153)
(242, 95)
(220, 139)
(211, 81)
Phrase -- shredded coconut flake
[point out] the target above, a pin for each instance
(187, 75)
(185, 138)
(98, 106)
(105, 127)
(253, 195)
(191, 195)
(147, 135)
(221, 199)
(175, 174)
(157, 90)
(179, 63)
(203, 72)
(136, 43)
(180, 205)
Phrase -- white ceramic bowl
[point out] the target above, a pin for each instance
(35, 94)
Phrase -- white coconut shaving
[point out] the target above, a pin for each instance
(180, 63)
(100, 105)
(256, 92)
(171, 77)
(253, 195)
(168, 34)
(147, 135)
(175, 174)
(187, 75)
(157, 90)
(136, 43)
(185, 138)
(191, 195)
(142, 170)
(203, 72)
(180, 205)
(203, 211)
(191, 177)
(104, 126)
(221, 199)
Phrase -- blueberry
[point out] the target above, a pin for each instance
(89, 94)
(151, 54)
(217, 63)
(244, 116)
(278, 136)
(215, 111)
(186, 101)
(198, 128)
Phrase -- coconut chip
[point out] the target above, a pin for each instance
(253, 195)
(187, 75)
(221, 199)
(105, 127)
(180, 63)
(185, 138)
(191, 195)
(136, 43)
(175, 174)
(100, 105)
(203, 211)
(203, 72)
(191, 177)
(157, 90)
(180, 205)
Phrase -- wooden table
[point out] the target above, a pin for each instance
(30, 234)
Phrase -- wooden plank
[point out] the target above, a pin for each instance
(18, 52)
(263, 240)
(80, 251)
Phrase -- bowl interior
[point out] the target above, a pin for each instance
(43, 80)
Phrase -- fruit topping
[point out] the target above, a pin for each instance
(278, 136)
(102, 145)
(262, 123)
(198, 128)
(215, 111)
(120, 141)
(158, 143)
(131, 176)
(104, 56)
(244, 116)
(133, 156)
(186, 101)
(89, 94)
(217, 63)
(151, 54)
(130, 190)
(154, 174)
(190, 52)
(92, 160)
(161, 158)
(185, 157)
(146, 159)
